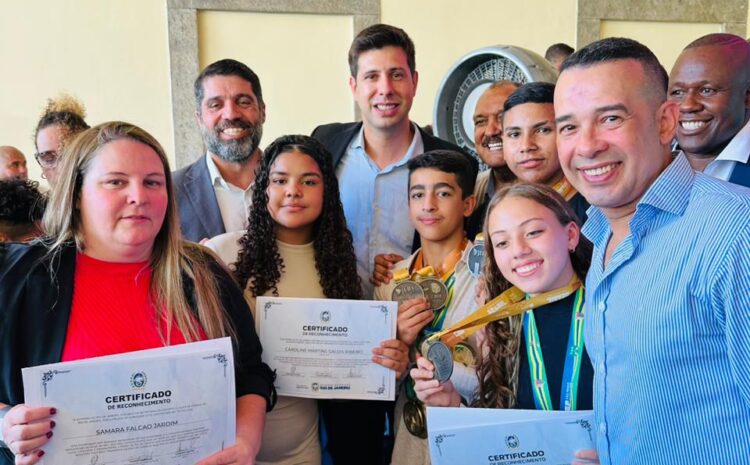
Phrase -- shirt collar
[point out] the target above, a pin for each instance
(738, 148)
(671, 190)
(214, 174)
(358, 143)
(218, 181)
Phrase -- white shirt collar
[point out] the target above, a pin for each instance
(214, 174)
(738, 148)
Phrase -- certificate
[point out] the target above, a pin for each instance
(507, 437)
(322, 348)
(168, 406)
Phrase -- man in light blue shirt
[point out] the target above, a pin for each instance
(374, 201)
(668, 320)
(370, 157)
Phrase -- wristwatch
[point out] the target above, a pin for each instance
(3, 411)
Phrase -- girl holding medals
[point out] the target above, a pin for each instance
(297, 245)
(532, 243)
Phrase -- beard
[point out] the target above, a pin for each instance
(234, 150)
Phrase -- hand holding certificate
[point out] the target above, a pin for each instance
(322, 348)
(170, 406)
(507, 437)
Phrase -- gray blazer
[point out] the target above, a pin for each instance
(200, 216)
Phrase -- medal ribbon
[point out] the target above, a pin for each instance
(448, 276)
(447, 273)
(565, 188)
(449, 262)
(573, 359)
(509, 303)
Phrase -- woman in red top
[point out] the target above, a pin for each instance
(113, 275)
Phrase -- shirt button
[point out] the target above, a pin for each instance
(601, 306)
(603, 428)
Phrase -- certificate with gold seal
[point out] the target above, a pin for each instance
(168, 406)
(322, 348)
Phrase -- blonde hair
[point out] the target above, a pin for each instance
(64, 111)
(172, 259)
(64, 103)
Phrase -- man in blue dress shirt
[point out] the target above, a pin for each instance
(370, 156)
(668, 320)
(370, 159)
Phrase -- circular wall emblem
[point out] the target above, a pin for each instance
(453, 113)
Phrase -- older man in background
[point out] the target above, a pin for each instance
(711, 83)
(12, 164)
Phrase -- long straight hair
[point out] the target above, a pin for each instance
(499, 365)
(172, 259)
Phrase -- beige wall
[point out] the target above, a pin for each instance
(303, 85)
(445, 30)
(113, 55)
(653, 35)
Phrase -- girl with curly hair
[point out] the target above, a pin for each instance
(297, 245)
(534, 244)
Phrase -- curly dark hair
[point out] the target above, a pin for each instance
(21, 202)
(259, 265)
(498, 367)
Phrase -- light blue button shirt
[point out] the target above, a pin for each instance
(376, 204)
(668, 325)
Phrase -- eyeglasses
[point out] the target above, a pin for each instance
(48, 159)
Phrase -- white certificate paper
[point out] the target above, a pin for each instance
(322, 348)
(168, 406)
(507, 437)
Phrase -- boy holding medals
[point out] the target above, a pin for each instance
(433, 286)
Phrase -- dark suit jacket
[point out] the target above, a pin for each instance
(35, 308)
(741, 174)
(336, 138)
(200, 216)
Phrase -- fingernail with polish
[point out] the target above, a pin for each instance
(52, 411)
(41, 452)
(49, 434)
(52, 424)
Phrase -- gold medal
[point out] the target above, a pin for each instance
(464, 353)
(415, 418)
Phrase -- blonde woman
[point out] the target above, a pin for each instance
(113, 276)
